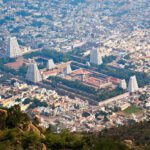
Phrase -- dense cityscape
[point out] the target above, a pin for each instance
(78, 65)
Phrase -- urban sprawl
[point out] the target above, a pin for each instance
(69, 64)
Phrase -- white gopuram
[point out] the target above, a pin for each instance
(13, 48)
(50, 64)
(33, 73)
(95, 57)
(68, 70)
(88, 64)
(133, 85)
(123, 84)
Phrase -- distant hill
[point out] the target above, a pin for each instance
(18, 132)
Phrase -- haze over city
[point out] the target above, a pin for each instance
(82, 66)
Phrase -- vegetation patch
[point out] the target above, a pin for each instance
(133, 109)
(18, 132)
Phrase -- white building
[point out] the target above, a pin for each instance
(13, 48)
(95, 57)
(50, 64)
(133, 85)
(123, 84)
(33, 73)
(68, 70)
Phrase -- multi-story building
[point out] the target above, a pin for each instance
(50, 64)
(123, 84)
(95, 57)
(33, 73)
(133, 85)
(13, 48)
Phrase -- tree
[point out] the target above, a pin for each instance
(23, 70)
(15, 117)
(27, 101)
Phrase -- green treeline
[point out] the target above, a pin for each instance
(56, 56)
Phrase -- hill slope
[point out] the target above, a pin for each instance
(17, 132)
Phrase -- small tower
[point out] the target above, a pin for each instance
(95, 57)
(50, 64)
(68, 70)
(83, 77)
(123, 84)
(33, 73)
(133, 85)
(88, 64)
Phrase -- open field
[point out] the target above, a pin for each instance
(132, 109)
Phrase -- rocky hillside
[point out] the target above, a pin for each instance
(18, 132)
